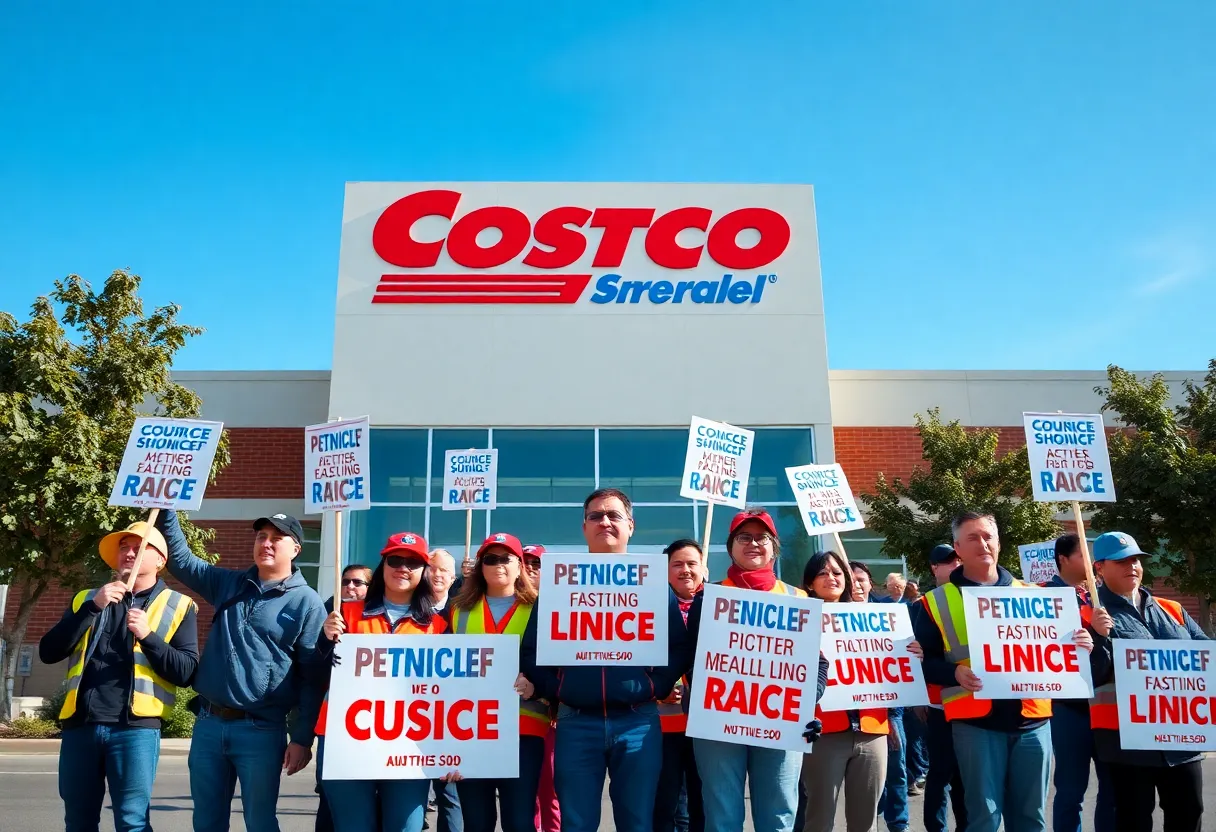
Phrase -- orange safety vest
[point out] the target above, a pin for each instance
(1104, 707)
(356, 623)
(873, 721)
(672, 719)
(945, 605)
(533, 713)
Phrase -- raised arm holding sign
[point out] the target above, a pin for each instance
(166, 465)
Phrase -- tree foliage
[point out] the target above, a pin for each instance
(71, 386)
(1164, 467)
(963, 472)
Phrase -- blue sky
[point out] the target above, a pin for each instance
(1025, 185)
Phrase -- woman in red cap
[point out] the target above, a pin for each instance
(498, 598)
(399, 600)
(770, 775)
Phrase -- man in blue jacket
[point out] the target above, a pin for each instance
(608, 720)
(257, 666)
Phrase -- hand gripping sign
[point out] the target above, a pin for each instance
(1165, 694)
(756, 671)
(866, 646)
(717, 466)
(418, 707)
(602, 609)
(1021, 643)
(165, 466)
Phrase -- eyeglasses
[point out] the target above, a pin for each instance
(354, 581)
(399, 562)
(759, 539)
(597, 516)
(496, 560)
(532, 563)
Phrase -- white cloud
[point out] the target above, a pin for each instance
(1170, 261)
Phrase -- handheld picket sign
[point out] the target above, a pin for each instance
(825, 501)
(337, 462)
(165, 465)
(470, 482)
(716, 467)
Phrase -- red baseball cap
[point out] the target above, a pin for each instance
(761, 516)
(400, 542)
(534, 549)
(508, 541)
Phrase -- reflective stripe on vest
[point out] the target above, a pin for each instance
(945, 605)
(1104, 707)
(781, 588)
(151, 696)
(533, 713)
(352, 616)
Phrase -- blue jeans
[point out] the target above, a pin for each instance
(677, 803)
(1073, 742)
(893, 804)
(90, 756)
(627, 745)
(375, 805)
(771, 776)
(223, 752)
(516, 796)
(449, 817)
(917, 754)
(1005, 775)
(943, 782)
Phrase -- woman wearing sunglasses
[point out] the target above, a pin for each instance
(770, 775)
(399, 600)
(498, 598)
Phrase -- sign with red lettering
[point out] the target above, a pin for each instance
(602, 609)
(869, 665)
(756, 671)
(337, 456)
(166, 464)
(1167, 694)
(717, 463)
(418, 707)
(1021, 641)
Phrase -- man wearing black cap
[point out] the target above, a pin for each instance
(257, 666)
(943, 782)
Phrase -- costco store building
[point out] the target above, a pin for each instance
(576, 328)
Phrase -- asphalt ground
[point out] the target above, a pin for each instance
(29, 798)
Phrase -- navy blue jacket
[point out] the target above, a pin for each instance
(610, 687)
(1152, 622)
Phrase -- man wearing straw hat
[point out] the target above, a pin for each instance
(129, 651)
(258, 666)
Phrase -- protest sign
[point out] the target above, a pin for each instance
(1164, 690)
(1068, 457)
(1021, 643)
(1038, 562)
(417, 707)
(756, 671)
(824, 499)
(602, 609)
(336, 465)
(716, 466)
(470, 480)
(866, 646)
(166, 464)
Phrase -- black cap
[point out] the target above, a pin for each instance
(942, 553)
(285, 523)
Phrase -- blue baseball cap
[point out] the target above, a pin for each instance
(1116, 546)
(942, 553)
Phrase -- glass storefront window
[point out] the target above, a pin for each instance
(545, 466)
(645, 464)
(555, 528)
(398, 465)
(370, 529)
(777, 449)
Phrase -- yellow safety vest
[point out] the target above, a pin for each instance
(151, 695)
(533, 713)
(945, 604)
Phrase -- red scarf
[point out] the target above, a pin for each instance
(686, 604)
(761, 579)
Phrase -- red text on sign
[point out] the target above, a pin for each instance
(464, 719)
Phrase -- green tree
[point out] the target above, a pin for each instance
(963, 472)
(71, 385)
(1164, 468)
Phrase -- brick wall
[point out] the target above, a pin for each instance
(896, 452)
(267, 463)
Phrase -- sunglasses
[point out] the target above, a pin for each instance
(400, 562)
(354, 581)
(614, 516)
(496, 560)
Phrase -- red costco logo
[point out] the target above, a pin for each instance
(558, 242)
